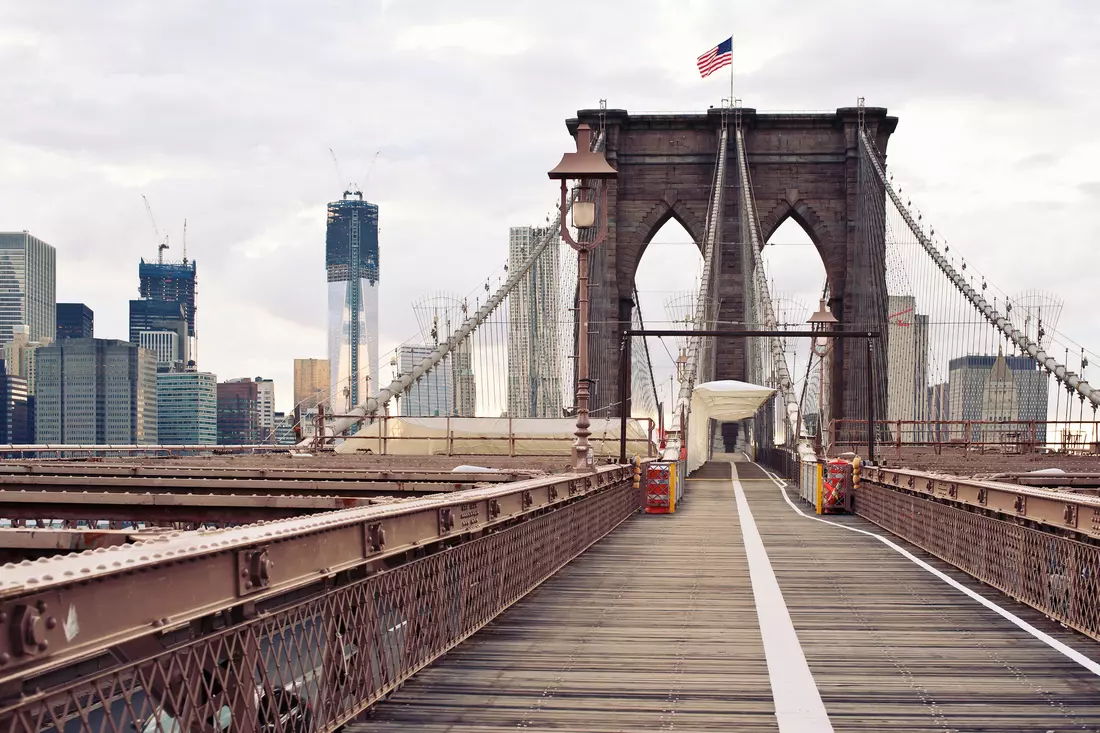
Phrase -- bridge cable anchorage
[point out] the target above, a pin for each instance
(761, 297)
(404, 382)
(706, 310)
(1021, 339)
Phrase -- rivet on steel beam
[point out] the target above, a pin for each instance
(376, 537)
(27, 633)
(256, 567)
(1070, 515)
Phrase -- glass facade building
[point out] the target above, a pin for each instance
(187, 408)
(351, 262)
(429, 396)
(238, 413)
(311, 380)
(75, 321)
(172, 282)
(996, 388)
(16, 421)
(95, 392)
(535, 367)
(28, 286)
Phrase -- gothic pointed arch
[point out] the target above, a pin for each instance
(657, 216)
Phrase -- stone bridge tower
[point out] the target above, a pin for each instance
(803, 166)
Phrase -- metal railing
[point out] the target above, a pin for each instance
(365, 605)
(1005, 436)
(1041, 547)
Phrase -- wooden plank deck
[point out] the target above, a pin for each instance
(656, 628)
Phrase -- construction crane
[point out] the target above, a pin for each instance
(370, 167)
(161, 246)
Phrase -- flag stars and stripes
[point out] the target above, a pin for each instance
(714, 59)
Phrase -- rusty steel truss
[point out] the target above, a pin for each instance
(286, 626)
(1040, 546)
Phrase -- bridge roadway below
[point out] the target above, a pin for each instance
(720, 619)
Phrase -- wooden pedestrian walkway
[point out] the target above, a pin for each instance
(737, 613)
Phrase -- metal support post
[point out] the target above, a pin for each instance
(870, 401)
(624, 370)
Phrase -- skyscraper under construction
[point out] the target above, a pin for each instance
(172, 282)
(351, 259)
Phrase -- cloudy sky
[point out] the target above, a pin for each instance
(224, 113)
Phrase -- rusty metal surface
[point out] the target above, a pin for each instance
(312, 665)
(1054, 574)
(119, 594)
(17, 545)
(167, 507)
(204, 485)
(1056, 510)
(655, 629)
(67, 540)
(179, 469)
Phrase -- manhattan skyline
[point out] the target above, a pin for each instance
(220, 124)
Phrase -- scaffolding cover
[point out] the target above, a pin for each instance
(725, 401)
(490, 436)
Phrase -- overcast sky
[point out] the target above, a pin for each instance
(223, 114)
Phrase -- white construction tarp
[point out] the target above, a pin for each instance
(492, 436)
(725, 401)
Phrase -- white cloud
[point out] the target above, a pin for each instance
(475, 36)
(224, 113)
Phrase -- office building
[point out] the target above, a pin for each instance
(996, 388)
(906, 363)
(351, 262)
(265, 407)
(171, 282)
(284, 430)
(166, 346)
(95, 392)
(16, 420)
(187, 408)
(238, 413)
(19, 355)
(465, 386)
(430, 396)
(75, 321)
(310, 383)
(535, 368)
(159, 316)
(28, 286)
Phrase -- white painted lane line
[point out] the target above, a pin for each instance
(1047, 639)
(798, 706)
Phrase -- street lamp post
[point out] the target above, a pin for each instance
(583, 168)
(820, 323)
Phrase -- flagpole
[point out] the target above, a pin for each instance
(731, 71)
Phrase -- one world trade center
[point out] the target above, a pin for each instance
(351, 258)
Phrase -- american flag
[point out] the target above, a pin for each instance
(714, 59)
